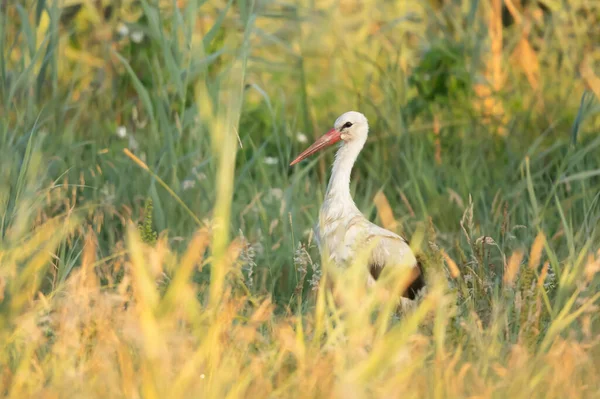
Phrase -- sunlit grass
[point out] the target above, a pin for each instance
(85, 340)
(482, 151)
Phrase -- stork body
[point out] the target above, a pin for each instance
(342, 229)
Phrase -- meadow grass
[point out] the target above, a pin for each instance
(154, 243)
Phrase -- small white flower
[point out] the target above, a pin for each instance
(133, 144)
(123, 30)
(137, 36)
(122, 132)
(301, 137)
(270, 161)
(187, 184)
(108, 191)
(276, 193)
(202, 376)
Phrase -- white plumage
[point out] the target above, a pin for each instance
(342, 229)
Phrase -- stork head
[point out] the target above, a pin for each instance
(350, 127)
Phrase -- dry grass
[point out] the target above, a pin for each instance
(88, 308)
(129, 340)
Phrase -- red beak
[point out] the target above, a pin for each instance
(329, 138)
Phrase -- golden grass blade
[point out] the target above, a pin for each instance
(454, 270)
(384, 210)
(223, 130)
(588, 75)
(194, 253)
(536, 250)
(514, 263)
(38, 249)
(528, 61)
(564, 319)
(146, 302)
(438, 141)
(87, 273)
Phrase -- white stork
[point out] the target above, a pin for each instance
(342, 228)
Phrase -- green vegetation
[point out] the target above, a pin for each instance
(154, 242)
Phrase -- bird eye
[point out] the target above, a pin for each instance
(347, 125)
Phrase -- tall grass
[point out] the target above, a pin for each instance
(182, 116)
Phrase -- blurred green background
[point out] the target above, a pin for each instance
(489, 100)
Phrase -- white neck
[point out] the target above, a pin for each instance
(338, 188)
